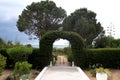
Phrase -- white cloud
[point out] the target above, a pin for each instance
(61, 42)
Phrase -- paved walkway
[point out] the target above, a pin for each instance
(63, 73)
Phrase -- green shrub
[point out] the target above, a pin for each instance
(22, 71)
(70, 57)
(19, 53)
(2, 63)
(3, 51)
(22, 68)
(33, 58)
(9, 62)
(108, 57)
(102, 70)
(37, 60)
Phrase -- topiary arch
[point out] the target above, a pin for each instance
(47, 40)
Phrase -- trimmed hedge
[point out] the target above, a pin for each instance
(47, 40)
(108, 57)
(34, 58)
(19, 53)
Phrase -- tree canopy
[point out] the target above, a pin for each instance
(107, 41)
(38, 18)
(83, 22)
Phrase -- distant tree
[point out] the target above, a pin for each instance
(101, 42)
(109, 40)
(9, 44)
(105, 41)
(2, 43)
(83, 22)
(116, 43)
(28, 45)
(38, 18)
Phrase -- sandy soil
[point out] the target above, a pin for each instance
(7, 72)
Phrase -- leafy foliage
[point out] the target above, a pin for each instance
(3, 51)
(57, 52)
(115, 43)
(102, 70)
(2, 63)
(68, 52)
(46, 43)
(38, 18)
(107, 41)
(22, 68)
(99, 69)
(2, 43)
(102, 42)
(20, 53)
(83, 22)
(34, 58)
(108, 57)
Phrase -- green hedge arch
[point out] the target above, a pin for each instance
(47, 40)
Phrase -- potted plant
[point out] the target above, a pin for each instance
(101, 73)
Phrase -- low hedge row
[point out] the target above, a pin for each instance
(107, 57)
(18, 54)
(15, 54)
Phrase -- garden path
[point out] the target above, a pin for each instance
(62, 73)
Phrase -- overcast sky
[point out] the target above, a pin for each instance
(108, 14)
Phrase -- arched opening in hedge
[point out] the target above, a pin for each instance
(46, 45)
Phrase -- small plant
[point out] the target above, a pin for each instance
(2, 63)
(102, 70)
(93, 72)
(102, 73)
(22, 68)
(93, 69)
